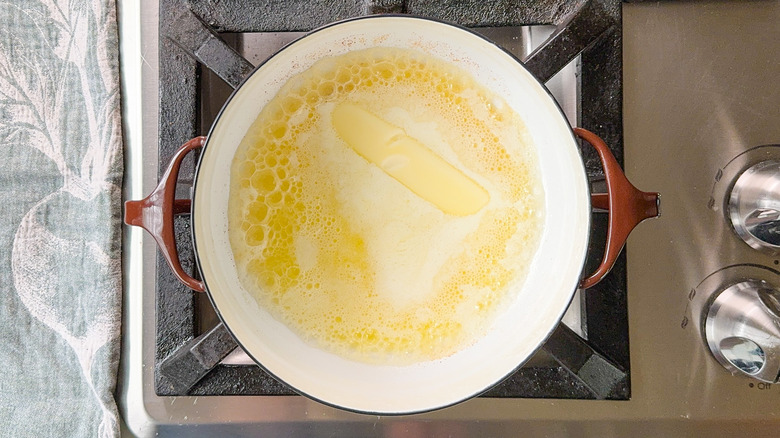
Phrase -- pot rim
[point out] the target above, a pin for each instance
(197, 252)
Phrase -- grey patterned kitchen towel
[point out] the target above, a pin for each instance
(60, 190)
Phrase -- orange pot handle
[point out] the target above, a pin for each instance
(627, 206)
(155, 214)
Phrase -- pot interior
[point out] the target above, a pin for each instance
(518, 330)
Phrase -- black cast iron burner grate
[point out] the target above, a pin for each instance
(193, 35)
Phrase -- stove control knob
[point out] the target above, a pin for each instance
(742, 329)
(754, 206)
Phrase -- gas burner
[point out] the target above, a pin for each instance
(202, 42)
(700, 94)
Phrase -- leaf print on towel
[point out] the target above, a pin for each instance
(59, 94)
(63, 102)
(39, 259)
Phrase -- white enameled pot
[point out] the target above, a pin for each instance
(519, 330)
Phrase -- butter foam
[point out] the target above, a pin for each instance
(349, 258)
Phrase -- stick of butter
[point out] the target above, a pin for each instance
(408, 161)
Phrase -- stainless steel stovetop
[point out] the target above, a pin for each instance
(700, 104)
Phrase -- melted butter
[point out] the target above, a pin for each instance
(408, 161)
(355, 262)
